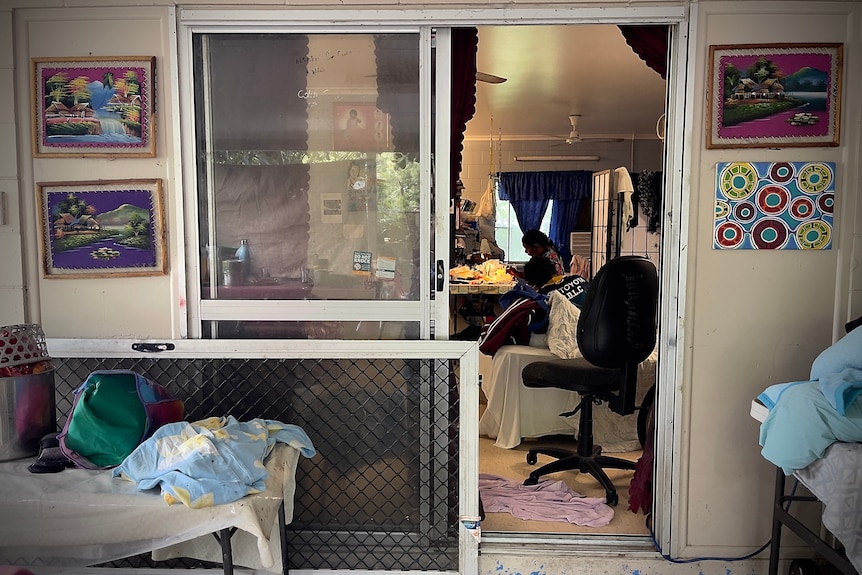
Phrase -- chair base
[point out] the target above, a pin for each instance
(592, 464)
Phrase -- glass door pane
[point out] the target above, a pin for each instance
(309, 175)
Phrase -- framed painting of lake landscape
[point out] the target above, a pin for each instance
(774, 95)
(93, 107)
(102, 229)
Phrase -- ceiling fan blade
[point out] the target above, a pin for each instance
(598, 140)
(489, 78)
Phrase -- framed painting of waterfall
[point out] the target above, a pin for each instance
(94, 107)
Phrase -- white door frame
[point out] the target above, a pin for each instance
(677, 174)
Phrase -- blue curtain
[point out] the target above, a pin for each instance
(529, 192)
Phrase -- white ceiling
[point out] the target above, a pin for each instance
(554, 71)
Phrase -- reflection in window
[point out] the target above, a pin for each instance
(308, 151)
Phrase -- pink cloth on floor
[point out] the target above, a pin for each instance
(547, 501)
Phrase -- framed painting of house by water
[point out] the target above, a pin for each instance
(94, 107)
(774, 95)
(101, 229)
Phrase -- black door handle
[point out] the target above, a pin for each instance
(152, 347)
(440, 276)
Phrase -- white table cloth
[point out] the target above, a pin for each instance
(515, 411)
(80, 517)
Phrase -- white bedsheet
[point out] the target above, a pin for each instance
(836, 480)
(79, 517)
(515, 412)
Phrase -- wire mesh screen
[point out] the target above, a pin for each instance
(382, 491)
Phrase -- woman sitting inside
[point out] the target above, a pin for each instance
(536, 243)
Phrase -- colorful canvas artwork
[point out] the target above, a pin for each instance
(94, 107)
(102, 228)
(774, 205)
(774, 95)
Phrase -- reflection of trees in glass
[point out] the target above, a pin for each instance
(397, 195)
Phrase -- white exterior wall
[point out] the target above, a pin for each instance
(12, 295)
(755, 318)
(147, 307)
(750, 318)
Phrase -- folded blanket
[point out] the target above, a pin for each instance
(838, 369)
(770, 396)
(803, 424)
(209, 462)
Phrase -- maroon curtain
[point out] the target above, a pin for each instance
(465, 43)
(397, 57)
(649, 42)
(241, 70)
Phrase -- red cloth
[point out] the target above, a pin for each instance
(511, 327)
(12, 570)
(640, 489)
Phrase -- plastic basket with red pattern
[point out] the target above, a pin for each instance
(22, 344)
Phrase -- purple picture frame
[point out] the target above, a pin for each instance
(102, 229)
(774, 95)
(94, 107)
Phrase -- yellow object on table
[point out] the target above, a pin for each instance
(490, 273)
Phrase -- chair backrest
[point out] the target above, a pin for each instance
(618, 321)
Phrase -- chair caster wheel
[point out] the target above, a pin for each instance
(531, 480)
(803, 567)
(532, 458)
(612, 498)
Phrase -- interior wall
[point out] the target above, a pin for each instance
(483, 157)
(12, 292)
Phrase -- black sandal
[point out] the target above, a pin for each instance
(51, 458)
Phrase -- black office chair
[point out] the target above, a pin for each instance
(616, 332)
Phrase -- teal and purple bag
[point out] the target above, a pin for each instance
(114, 411)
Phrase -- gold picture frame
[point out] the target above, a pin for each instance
(774, 95)
(101, 229)
(94, 107)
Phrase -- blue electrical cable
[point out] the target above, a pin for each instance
(759, 550)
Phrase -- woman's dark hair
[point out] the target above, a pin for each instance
(538, 271)
(536, 237)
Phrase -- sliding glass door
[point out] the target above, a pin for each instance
(313, 187)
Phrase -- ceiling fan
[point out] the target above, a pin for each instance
(480, 77)
(575, 137)
(489, 78)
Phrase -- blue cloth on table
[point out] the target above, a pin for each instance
(209, 462)
(838, 370)
(802, 423)
(770, 396)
